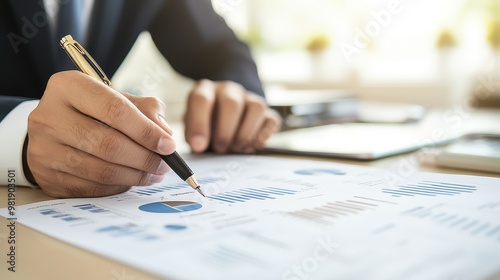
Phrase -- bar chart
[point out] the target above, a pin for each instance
(91, 208)
(222, 256)
(430, 188)
(66, 217)
(127, 230)
(49, 212)
(333, 210)
(458, 222)
(148, 191)
(158, 189)
(248, 194)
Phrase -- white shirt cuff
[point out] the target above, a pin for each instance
(13, 130)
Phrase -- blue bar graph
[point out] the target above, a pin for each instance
(158, 189)
(182, 185)
(48, 212)
(430, 188)
(127, 230)
(91, 208)
(460, 223)
(248, 194)
(67, 217)
(222, 256)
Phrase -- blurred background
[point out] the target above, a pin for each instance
(432, 53)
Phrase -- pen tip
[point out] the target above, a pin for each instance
(199, 190)
(192, 182)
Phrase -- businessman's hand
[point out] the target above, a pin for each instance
(227, 117)
(88, 140)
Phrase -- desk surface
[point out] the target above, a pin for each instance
(41, 257)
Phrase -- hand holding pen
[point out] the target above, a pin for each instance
(70, 153)
(84, 61)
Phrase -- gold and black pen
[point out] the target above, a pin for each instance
(87, 65)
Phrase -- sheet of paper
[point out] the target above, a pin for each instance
(270, 218)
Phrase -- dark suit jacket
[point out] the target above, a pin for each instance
(191, 36)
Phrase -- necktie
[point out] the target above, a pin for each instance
(69, 22)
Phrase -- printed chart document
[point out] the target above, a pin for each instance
(271, 218)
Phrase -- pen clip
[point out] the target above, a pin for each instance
(82, 59)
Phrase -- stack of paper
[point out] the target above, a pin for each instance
(268, 218)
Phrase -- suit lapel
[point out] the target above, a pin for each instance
(32, 21)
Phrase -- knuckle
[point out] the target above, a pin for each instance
(73, 161)
(232, 85)
(107, 174)
(59, 81)
(199, 97)
(153, 102)
(43, 121)
(110, 147)
(203, 83)
(257, 105)
(86, 137)
(114, 111)
(231, 101)
(36, 119)
(57, 78)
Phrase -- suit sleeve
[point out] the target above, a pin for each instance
(198, 43)
(14, 112)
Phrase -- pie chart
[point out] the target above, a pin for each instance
(170, 207)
